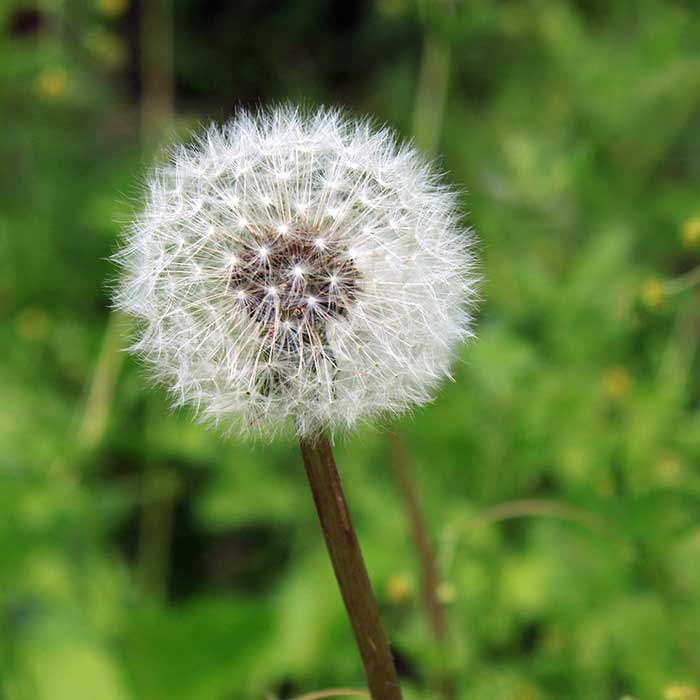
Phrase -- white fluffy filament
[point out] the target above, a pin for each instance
(292, 270)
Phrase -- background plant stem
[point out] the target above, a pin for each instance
(157, 79)
(100, 393)
(157, 111)
(428, 114)
(349, 568)
(431, 91)
(155, 530)
(430, 579)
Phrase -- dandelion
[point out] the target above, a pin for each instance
(301, 273)
(293, 273)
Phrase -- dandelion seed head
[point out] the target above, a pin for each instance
(297, 272)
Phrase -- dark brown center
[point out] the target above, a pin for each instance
(299, 278)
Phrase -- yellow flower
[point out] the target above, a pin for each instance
(617, 383)
(653, 293)
(52, 82)
(691, 231)
(399, 588)
(680, 692)
(113, 8)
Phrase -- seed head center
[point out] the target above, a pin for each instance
(299, 279)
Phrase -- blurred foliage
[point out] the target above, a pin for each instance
(143, 557)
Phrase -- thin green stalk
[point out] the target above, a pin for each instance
(333, 693)
(155, 530)
(157, 110)
(100, 394)
(421, 536)
(156, 69)
(349, 568)
(431, 92)
(683, 282)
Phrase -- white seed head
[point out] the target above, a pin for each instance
(297, 271)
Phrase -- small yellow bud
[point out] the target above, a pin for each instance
(400, 588)
(680, 692)
(690, 232)
(113, 8)
(653, 293)
(52, 82)
(617, 383)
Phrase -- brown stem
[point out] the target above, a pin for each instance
(423, 544)
(349, 567)
(541, 507)
(421, 538)
(334, 693)
(156, 67)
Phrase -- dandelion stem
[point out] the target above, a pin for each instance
(349, 567)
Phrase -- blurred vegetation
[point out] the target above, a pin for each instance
(143, 557)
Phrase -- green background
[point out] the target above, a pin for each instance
(144, 557)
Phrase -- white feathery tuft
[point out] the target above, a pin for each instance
(293, 270)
